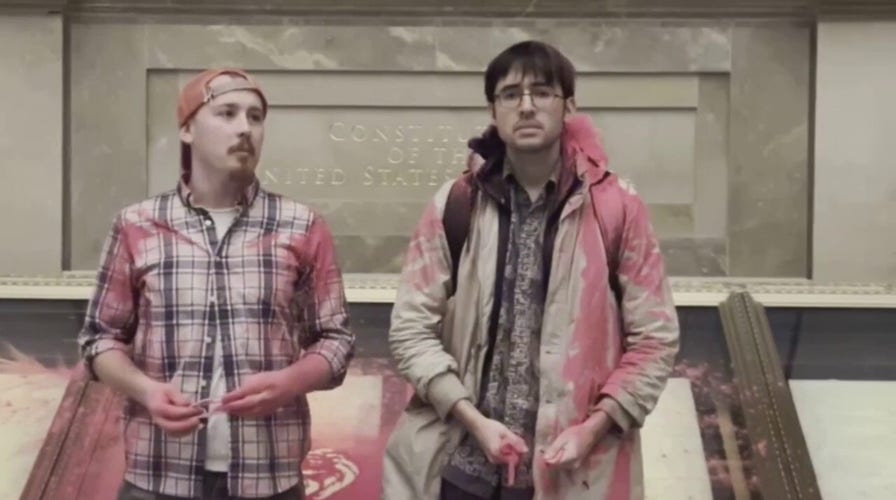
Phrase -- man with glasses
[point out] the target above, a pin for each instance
(218, 307)
(533, 318)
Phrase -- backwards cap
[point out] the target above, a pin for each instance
(199, 92)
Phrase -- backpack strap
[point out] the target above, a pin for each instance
(456, 219)
(607, 203)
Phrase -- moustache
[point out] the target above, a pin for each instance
(242, 147)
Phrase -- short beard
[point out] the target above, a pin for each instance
(242, 176)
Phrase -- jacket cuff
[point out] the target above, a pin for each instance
(444, 391)
(615, 411)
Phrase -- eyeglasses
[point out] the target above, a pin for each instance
(542, 97)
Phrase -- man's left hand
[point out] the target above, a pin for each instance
(260, 395)
(569, 449)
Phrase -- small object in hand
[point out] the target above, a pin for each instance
(513, 459)
(208, 406)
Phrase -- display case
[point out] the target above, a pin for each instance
(775, 394)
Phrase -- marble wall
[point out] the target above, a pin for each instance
(31, 152)
(854, 235)
(708, 119)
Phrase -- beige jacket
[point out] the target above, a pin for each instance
(591, 356)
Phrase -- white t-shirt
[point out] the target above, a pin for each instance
(217, 451)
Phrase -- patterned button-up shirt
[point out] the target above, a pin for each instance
(511, 396)
(270, 291)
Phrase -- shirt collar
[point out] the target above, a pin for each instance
(507, 174)
(247, 196)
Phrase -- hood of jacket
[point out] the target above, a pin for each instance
(581, 143)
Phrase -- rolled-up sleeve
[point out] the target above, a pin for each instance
(321, 296)
(110, 321)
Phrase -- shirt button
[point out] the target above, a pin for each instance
(202, 383)
(208, 222)
(208, 340)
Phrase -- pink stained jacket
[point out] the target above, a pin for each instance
(594, 354)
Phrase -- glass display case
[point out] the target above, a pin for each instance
(765, 402)
(840, 366)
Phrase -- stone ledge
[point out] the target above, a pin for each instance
(801, 9)
(380, 288)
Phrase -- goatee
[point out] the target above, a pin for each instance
(242, 176)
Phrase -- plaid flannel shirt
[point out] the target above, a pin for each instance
(270, 291)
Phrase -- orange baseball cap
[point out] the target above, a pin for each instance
(198, 92)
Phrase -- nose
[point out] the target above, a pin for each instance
(527, 104)
(242, 124)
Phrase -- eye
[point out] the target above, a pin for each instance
(227, 113)
(510, 95)
(542, 93)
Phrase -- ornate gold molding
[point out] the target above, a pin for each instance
(778, 450)
(688, 291)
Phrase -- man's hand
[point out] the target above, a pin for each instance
(500, 445)
(570, 448)
(169, 409)
(497, 442)
(260, 395)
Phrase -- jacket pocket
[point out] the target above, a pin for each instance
(417, 452)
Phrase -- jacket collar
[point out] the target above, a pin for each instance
(584, 157)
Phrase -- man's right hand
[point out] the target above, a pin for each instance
(170, 410)
(497, 442)
(500, 445)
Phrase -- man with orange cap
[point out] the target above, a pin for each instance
(218, 307)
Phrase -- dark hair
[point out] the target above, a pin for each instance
(186, 160)
(535, 59)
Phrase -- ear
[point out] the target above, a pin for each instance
(186, 133)
(571, 105)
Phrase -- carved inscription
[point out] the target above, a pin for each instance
(393, 155)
